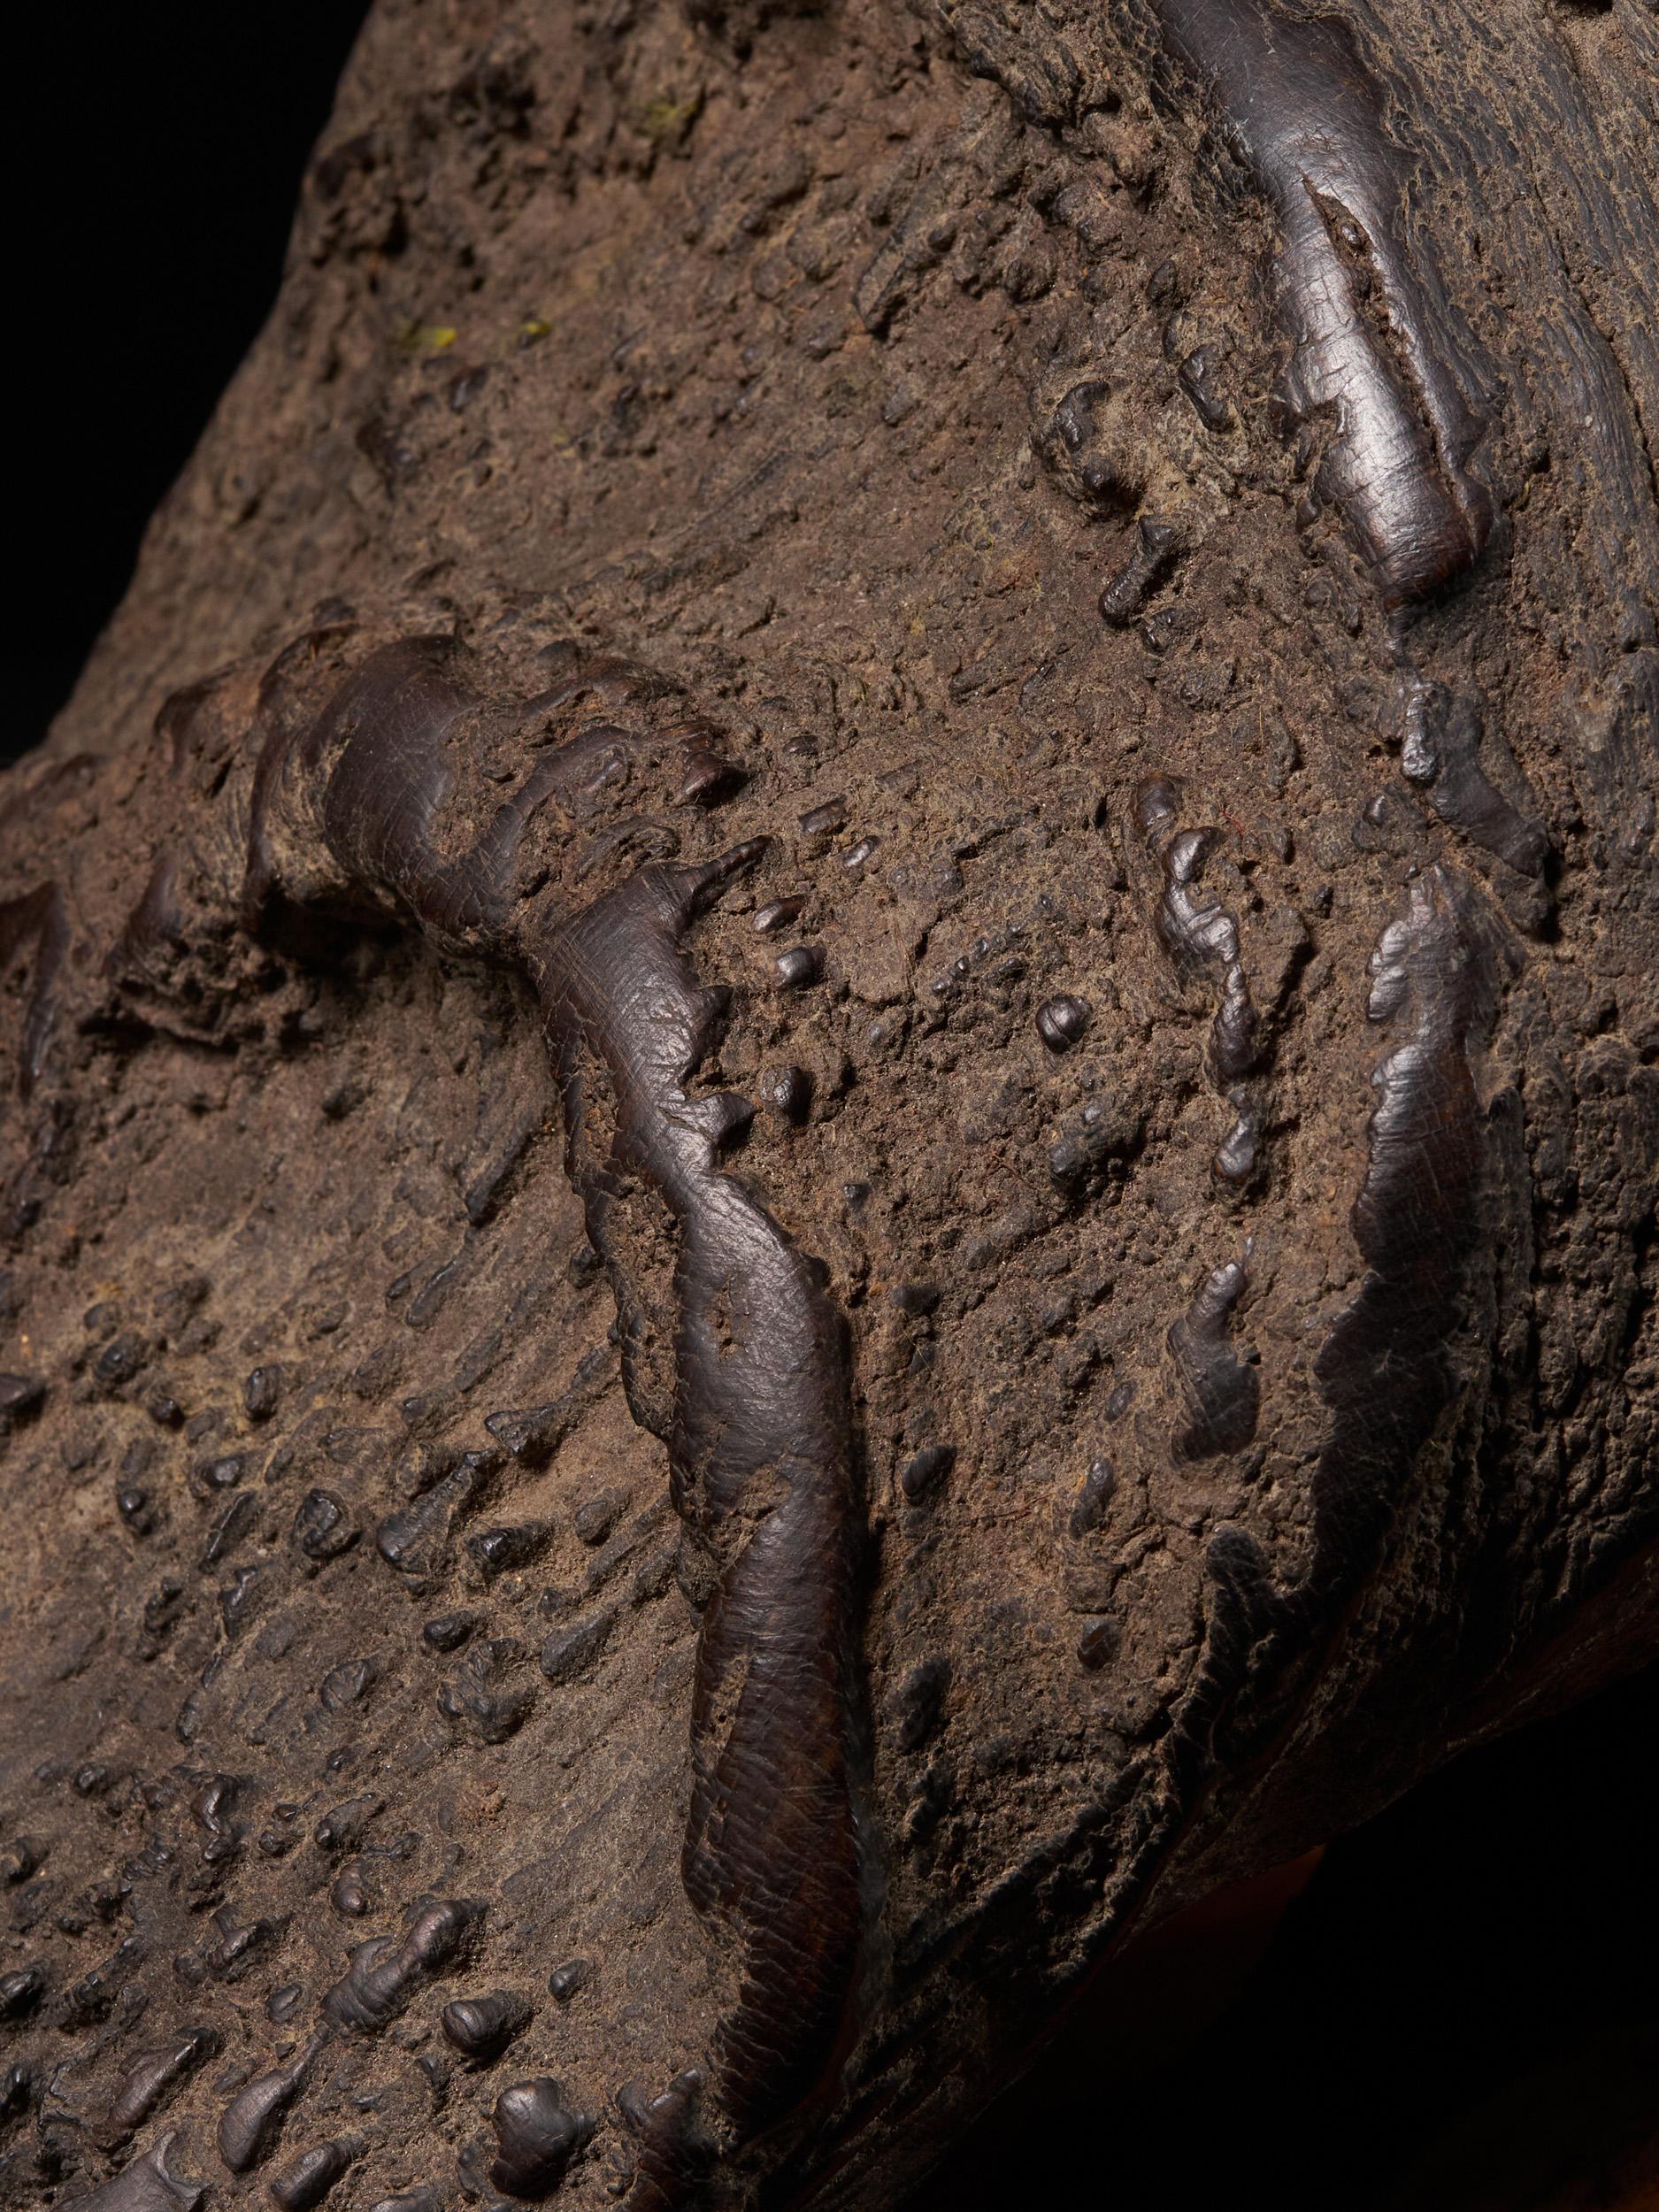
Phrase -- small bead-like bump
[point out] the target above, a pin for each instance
(799, 968)
(563, 1982)
(481, 2028)
(20, 1991)
(302, 2184)
(449, 1631)
(787, 1092)
(926, 1470)
(1062, 1021)
(1093, 1499)
(778, 914)
(260, 1391)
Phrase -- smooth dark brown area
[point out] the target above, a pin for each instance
(1380, 387)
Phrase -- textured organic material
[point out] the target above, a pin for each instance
(829, 1043)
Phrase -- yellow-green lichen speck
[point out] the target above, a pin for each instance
(665, 122)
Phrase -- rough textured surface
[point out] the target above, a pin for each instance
(831, 1103)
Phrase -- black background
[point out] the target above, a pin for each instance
(1459, 2013)
(156, 153)
(1460, 2010)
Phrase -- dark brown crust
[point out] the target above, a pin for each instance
(1386, 1368)
(1160, 1575)
(345, 816)
(1200, 934)
(149, 2078)
(40, 914)
(147, 2184)
(771, 1850)
(385, 1973)
(1223, 1391)
(1374, 352)
(249, 2123)
(1441, 753)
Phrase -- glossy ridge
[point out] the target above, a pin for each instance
(352, 811)
(1376, 386)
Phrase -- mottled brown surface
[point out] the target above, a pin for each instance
(1102, 1316)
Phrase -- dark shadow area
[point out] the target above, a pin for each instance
(156, 157)
(1458, 2013)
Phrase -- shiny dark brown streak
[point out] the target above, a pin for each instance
(1386, 1371)
(759, 1450)
(1372, 348)
(356, 809)
(1386, 405)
